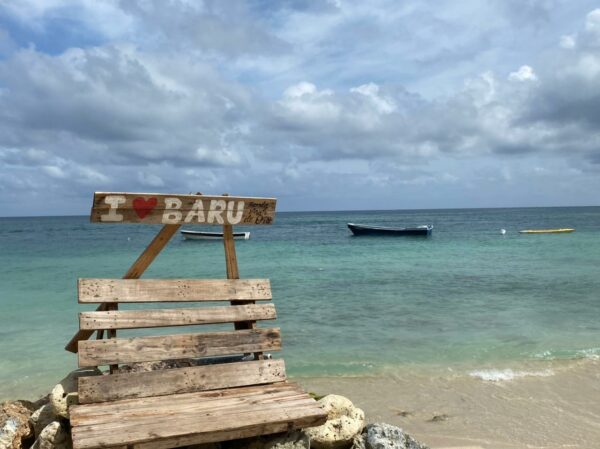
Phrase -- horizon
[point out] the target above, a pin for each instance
(341, 211)
(334, 105)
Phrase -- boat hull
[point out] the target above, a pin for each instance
(201, 235)
(359, 230)
(547, 231)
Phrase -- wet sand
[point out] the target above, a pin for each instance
(556, 405)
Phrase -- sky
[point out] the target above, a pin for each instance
(325, 105)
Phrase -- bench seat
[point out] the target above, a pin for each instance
(193, 418)
(223, 386)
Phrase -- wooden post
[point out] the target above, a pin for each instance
(234, 273)
(112, 333)
(135, 271)
(230, 255)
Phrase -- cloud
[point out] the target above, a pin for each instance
(120, 105)
(568, 41)
(525, 73)
(214, 26)
(298, 99)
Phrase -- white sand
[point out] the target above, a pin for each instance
(557, 406)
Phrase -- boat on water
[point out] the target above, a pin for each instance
(547, 231)
(359, 229)
(203, 235)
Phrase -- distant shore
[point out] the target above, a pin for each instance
(553, 408)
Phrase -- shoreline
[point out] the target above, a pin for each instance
(542, 410)
(539, 404)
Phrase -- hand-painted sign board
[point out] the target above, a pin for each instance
(154, 208)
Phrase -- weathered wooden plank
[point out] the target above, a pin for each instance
(105, 412)
(180, 380)
(153, 208)
(194, 417)
(216, 437)
(231, 266)
(167, 347)
(135, 271)
(172, 290)
(185, 428)
(92, 413)
(171, 407)
(309, 417)
(138, 319)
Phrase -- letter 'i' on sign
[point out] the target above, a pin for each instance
(113, 201)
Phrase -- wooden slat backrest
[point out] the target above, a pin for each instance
(180, 346)
(179, 380)
(117, 351)
(139, 319)
(172, 290)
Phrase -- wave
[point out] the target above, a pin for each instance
(589, 353)
(497, 375)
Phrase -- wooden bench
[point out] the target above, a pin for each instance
(225, 388)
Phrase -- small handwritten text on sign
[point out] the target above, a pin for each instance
(153, 208)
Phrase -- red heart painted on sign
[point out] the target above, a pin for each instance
(144, 206)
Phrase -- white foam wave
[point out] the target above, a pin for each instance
(499, 375)
(590, 353)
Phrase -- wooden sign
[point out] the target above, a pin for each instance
(153, 208)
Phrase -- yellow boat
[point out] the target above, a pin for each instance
(546, 231)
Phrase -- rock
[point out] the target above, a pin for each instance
(64, 394)
(296, 439)
(386, 436)
(53, 436)
(41, 402)
(439, 418)
(41, 418)
(344, 422)
(15, 430)
(358, 442)
(292, 440)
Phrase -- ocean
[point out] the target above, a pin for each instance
(466, 299)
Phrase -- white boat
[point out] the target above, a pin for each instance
(203, 235)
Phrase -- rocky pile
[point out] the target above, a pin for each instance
(25, 425)
(45, 425)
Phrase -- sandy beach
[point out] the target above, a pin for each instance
(556, 406)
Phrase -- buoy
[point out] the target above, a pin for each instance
(502, 231)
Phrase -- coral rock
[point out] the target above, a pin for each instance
(41, 418)
(64, 394)
(15, 428)
(53, 436)
(344, 422)
(291, 440)
(386, 436)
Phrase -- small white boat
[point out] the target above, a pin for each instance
(203, 235)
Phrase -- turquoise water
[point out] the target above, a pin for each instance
(465, 297)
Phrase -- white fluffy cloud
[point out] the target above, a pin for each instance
(525, 73)
(297, 100)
